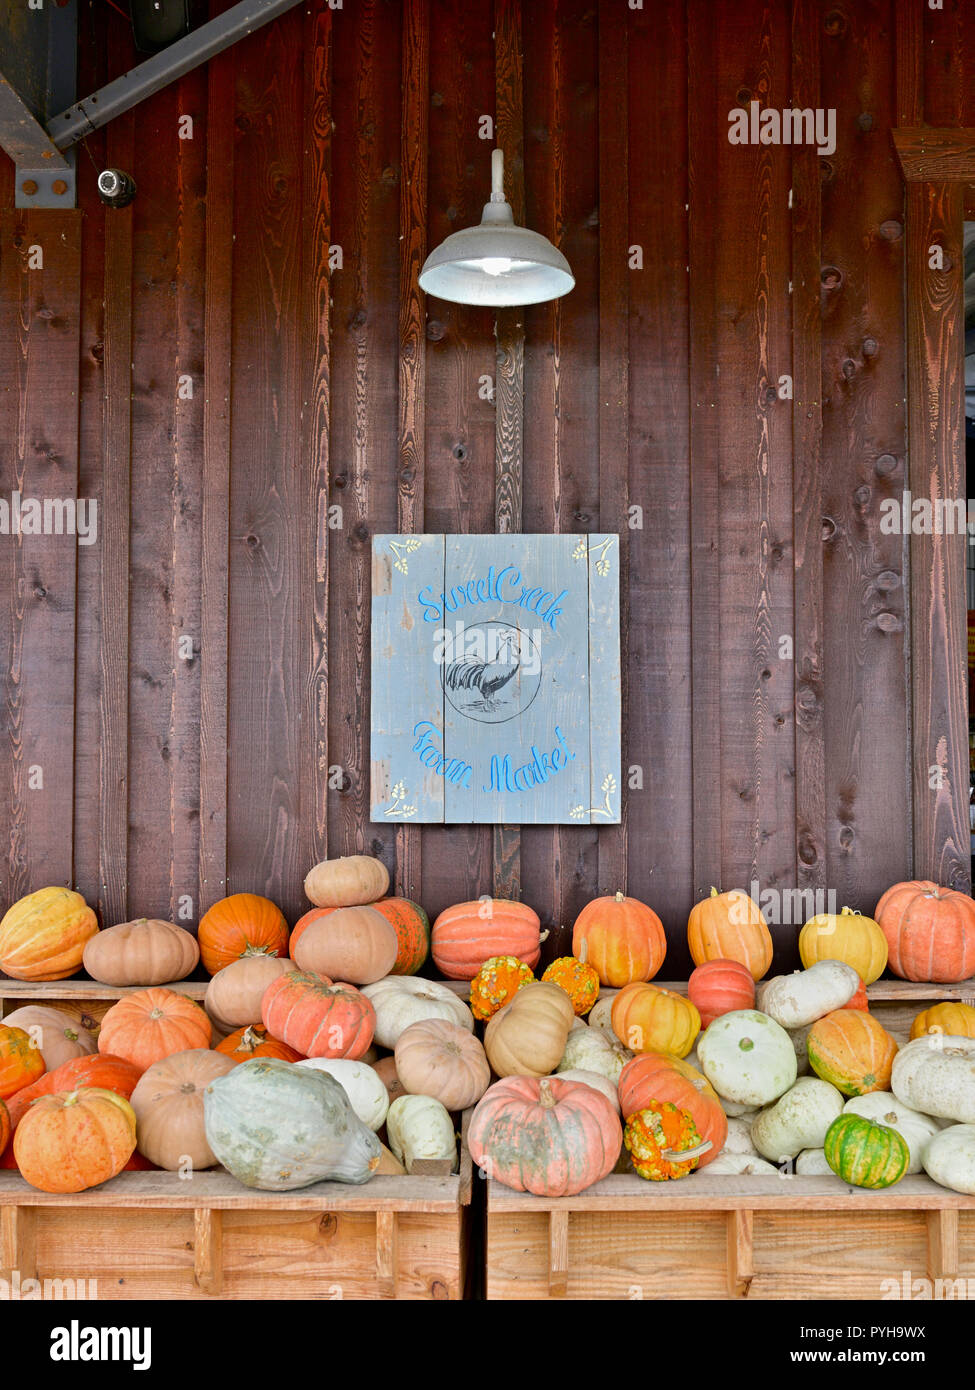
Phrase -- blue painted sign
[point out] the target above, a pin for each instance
(496, 679)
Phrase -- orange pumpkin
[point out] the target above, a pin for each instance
(720, 987)
(956, 1020)
(6, 1129)
(468, 934)
(579, 980)
(256, 1041)
(43, 936)
(318, 1018)
(385, 1069)
(849, 1049)
(20, 1061)
(150, 1024)
(244, 924)
(73, 1140)
(930, 931)
(859, 1000)
(623, 940)
(730, 926)
(654, 1077)
(101, 1070)
(649, 1018)
(496, 983)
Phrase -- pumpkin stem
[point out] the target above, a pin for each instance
(745, 1044)
(583, 955)
(543, 936)
(71, 1035)
(686, 1155)
(714, 892)
(620, 897)
(257, 951)
(545, 1098)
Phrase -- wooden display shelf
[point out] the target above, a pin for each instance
(726, 1237)
(86, 1001)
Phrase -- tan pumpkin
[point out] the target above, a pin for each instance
(168, 1105)
(440, 1059)
(349, 881)
(234, 994)
(146, 951)
(56, 1034)
(357, 944)
(528, 1036)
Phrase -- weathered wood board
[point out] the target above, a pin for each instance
(496, 679)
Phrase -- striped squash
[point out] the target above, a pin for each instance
(865, 1154)
(852, 1051)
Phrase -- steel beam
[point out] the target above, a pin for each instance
(39, 51)
(21, 133)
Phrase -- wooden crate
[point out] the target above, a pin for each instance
(86, 1001)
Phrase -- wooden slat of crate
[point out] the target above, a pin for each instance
(85, 1001)
(726, 1237)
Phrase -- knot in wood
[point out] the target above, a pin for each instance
(831, 277)
(885, 465)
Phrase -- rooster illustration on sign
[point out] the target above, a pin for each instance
(488, 677)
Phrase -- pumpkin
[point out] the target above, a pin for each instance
(547, 1136)
(950, 1158)
(796, 1121)
(601, 1013)
(496, 983)
(150, 1024)
(21, 1062)
(595, 1079)
(350, 881)
(385, 1069)
(234, 994)
(739, 1140)
(579, 980)
(318, 1018)
(73, 1140)
(748, 1058)
(660, 1076)
(623, 940)
(144, 952)
(6, 1129)
(916, 1129)
(811, 1163)
(729, 926)
(846, 936)
(105, 1072)
(859, 1000)
(851, 1051)
(648, 1018)
(590, 1049)
(936, 1075)
(402, 1000)
(528, 1036)
(168, 1105)
(244, 924)
(800, 998)
(256, 1041)
(719, 987)
(276, 1126)
(930, 931)
(436, 1058)
(419, 1127)
(356, 944)
(466, 935)
(43, 936)
(412, 927)
(663, 1141)
(55, 1033)
(958, 1020)
(744, 1166)
(865, 1154)
(366, 1091)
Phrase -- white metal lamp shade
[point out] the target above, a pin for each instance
(496, 263)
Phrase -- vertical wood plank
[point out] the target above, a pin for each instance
(741, 1256)
(412, 332)
(935, 334)
(208, 1249)
(943, 1243)
(558, 1253)
(909, 73)
(18, 1242)
(945, 82)
(387, 1253)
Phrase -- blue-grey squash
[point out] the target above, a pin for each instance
(277, 1126)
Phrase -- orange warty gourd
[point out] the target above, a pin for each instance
(730, 926)
(244, 924)
(660, 1076)
(622, 938)
(496, 983)
(956, 1020)
(20, 1061)
(648, 1018)
(720, 987)
(579, 980)
(43, 936)
(930, 932)
(663, 1142)
(73, 1140)
(318, 1018)
(100, 1070)
(468, 934)
(256, 1041)
(849, 1049)
(150, 1024)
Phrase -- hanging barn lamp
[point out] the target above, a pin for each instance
(497, 262)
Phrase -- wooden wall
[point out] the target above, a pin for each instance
(193, 688)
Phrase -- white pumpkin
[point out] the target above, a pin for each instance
(743, 1165)
(400, 1000)
(950, 1158)
(811, 1163)
(590, 1049)
(361, 1083)
(420, 1127)
(799, 1036)
(599, 1014)
(802, 997)
(734, 1109)
(596, 1081)
(739, 1140)
(936, 1075)
(916, 1129)
(798, 1120)
(747, 1057)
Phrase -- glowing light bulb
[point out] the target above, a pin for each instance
(496, 265)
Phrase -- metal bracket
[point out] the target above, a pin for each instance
(44, 44)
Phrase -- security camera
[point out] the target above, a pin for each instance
(116, 188)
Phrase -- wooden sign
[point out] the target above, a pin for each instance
(496, 679)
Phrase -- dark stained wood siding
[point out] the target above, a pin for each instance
(705, 272)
